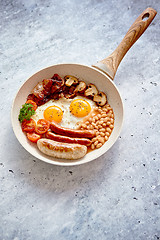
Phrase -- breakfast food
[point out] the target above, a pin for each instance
(61, 138)
(61, 150)
(71, 132)
(66, 117)
(66, 112)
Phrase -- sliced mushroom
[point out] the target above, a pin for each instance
(81, 87)
(91, 90)
(70, 80)
(100, 99)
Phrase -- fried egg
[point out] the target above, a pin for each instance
(66, 112)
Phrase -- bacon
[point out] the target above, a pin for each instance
(57, 78)
(47, 84)
(38, 90)
(58, 83)
(47, 89)
(35, 99)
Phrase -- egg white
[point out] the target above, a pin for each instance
(68, 120)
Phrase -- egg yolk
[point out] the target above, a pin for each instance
(80, 108)
(53, 113)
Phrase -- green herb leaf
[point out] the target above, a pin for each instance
(26, 112)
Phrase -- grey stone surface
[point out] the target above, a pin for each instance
(116, 196)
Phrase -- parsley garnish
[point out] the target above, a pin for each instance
(26, 112)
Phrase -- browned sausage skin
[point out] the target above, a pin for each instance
(61, 150)
(60, 138)
(72, 132)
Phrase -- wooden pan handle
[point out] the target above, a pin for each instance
(136, 30)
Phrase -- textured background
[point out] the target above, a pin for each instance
(116, 196)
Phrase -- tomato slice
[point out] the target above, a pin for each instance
(42, 126)
(33, 103)
(33, 137)
(28, 125)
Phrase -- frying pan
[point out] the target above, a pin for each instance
(101, 74)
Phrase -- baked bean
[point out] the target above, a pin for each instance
(105, 109)
(98, 136)
(97, 122)
(112, 120)
(95, 143)
(92, 146)
(101, 140)
(102, 134)
(106, 138)
(111, 126)
(108, 130)
(102, 130)
(99, 145)
(106, 119)
(93, 120)
(97, 133)
(94, 139)
(109, 114)
(99, 110)
(87, 122)
(107, 134)
(102, 121)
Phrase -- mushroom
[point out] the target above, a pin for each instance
(70, 80)
(91, 90)
(100, 99)
(81, 87)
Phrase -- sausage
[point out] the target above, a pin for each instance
(71, 132)
(61, 150)
(60, 138)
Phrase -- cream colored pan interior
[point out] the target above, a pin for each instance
(87, 74)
